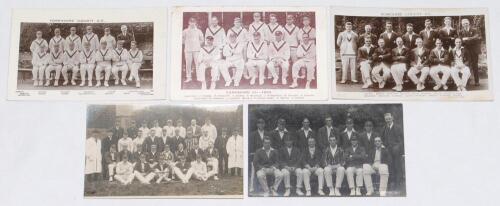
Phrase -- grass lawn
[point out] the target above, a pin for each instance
(226, 185)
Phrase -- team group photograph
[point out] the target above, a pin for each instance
(160, 150)
(326, 150)
(85, 56)
(249, 50)
(425, 53)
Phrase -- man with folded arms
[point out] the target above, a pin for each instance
(311, 161)
(266, 162)
(355, 158)
(124, 171)
(378, 161)
(440, 63)
(460, 64)
(143, 171)
(419, 61)
(399, 62)
(333, 160)
(290, 162)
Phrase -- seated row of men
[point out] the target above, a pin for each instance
(125, 166)
(263, 51)
(431, 52)
(86, 62)
(356, 162)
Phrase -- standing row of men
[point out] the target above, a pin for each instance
(263, 47)
(165, 153)
(444, 51)
(307, 153)
(87, 55)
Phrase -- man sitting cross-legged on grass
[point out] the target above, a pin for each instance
(143, 171)
(183, 169)
(163, 169)
(124, 171)
(211, 156)
(111, 159)
(199, 169)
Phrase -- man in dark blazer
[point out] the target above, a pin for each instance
(278, 135)
(409, 37)
(365, 61)
(193, 131)
(117, 133)
(303, 134)
(196, 152)
(368, 34)
(106, 143)
(150, 140)
(266, 162)
(162, 140)
(355, 156)
(132, 130)
(428, 35)
(393, 138)
(471, 41)
(399, 64)
(220, 145)
(366, 138)
(153, 154)
(347, 134)
(378, 161)
(439, 60)
(290, 159)
(311, 164)
(389, 36)
(333, 162)
(325, 132)
(175, 141)
(381, 63)
(419, 63)
(257, 136)
(448, 34)
(125, 36)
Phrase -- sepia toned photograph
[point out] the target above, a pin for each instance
(413, 53)
(164, 151)
(314, 150)
(247, 49)
(72, 56)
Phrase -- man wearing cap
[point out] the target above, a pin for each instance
(272, 27)
(192, 39)
(216, 31)
(333, 161)
(307, 29)
(91, 38)
(399, 62)
(233, 53)
(56, 59)
(447, 34)
(57, 39)
(348, 133)
(291, 36)
(257, 54)
(71, 62)
(368, 33)
(103, 57)
(439, 60)
(306, 54)
(312, 164)
(87, 64)
(428, 35)
(234, 148)
(389, 36)
(279, 55)
(355, 158)
(381, 63)
(365, 60)
(410, 37)
(347, 41)
(419, 63)
(210, 57)
(108, 38)
(378, 161)
(73, 37)
(471, 41)
(266, 162)
(120, 63)
(290, 163)
(125, 36)
(460, 64)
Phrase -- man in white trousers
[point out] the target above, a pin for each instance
(306, 54)
(460, 64)
(40, 60)
(87, 64)
(135, 63)
(347, 41)
(56, 60)
(381, 63)
(257, 55)
(120, 63)
(233, 52)
(71, 63)
(378, 162)
(399, 62)
(279, 55)
(440, 63)
(311, 161)
(333, 159)
(209, 57)
(419, 62)
(290, 163)
(365, 60)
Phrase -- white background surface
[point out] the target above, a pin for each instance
(452, 155)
